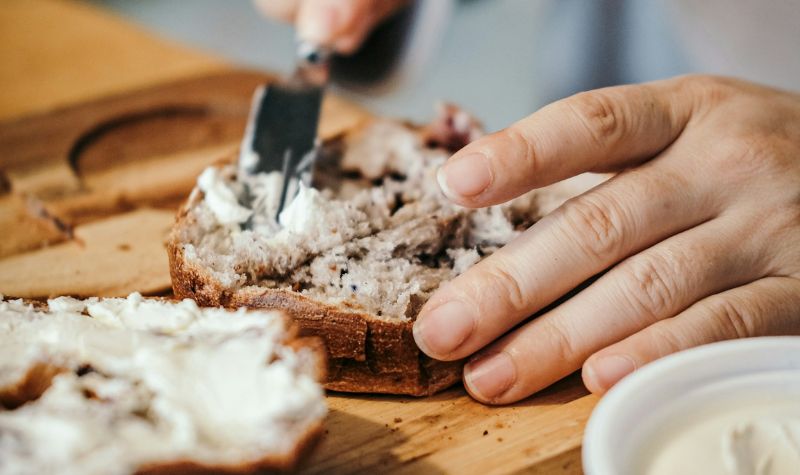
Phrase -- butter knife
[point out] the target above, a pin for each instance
(281, 133)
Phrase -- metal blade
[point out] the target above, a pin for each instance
(286, 131)
(282, 127)
(285, 127)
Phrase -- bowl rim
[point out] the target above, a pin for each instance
(596, 451)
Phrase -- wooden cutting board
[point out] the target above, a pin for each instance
(127, 160)
(88, 189)
(99, 184)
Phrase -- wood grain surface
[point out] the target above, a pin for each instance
(451, 433)
(57, 52)
(88, 190)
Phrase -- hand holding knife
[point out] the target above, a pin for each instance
(282, 127)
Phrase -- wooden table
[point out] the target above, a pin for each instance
(57, 54)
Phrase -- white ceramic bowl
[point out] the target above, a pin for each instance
(629, 417)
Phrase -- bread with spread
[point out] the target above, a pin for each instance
(134, 385)
(353, 258)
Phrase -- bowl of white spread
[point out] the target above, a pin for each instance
(726, 408)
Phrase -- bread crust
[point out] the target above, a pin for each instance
(266, 465)
(365, 354)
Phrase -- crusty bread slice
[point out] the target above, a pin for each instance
(353, 260)
(365, 353)
(134, 385)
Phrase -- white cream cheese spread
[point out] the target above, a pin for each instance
(144, 381)
(221, 198)
(750, 439)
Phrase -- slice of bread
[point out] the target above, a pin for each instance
(353, 259)
(134, 385)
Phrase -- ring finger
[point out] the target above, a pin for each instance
(765, 307)
(653, 285)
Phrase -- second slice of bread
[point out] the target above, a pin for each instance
(134, 385)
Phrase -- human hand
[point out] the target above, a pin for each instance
(699, 234)
(340, 24)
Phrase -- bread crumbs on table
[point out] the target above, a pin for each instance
(486, 432)
(398, 420)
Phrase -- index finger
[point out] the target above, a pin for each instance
(601, 130)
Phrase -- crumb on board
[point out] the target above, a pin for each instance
(486, 432)
(398, 420)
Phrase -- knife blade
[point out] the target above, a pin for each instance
(281, 133)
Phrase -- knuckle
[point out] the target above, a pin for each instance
(780, 227)
(603, 117)
(508, 287)
(563, 343)
(749, 154)
(708, 90)
(665, 341)
(651, 286)
(595, 224)
(732, 317)
(523, 148)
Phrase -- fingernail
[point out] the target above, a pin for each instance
(441, 331)
(490, 376)
(321, 26)
(606, 371)
(465, 175)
